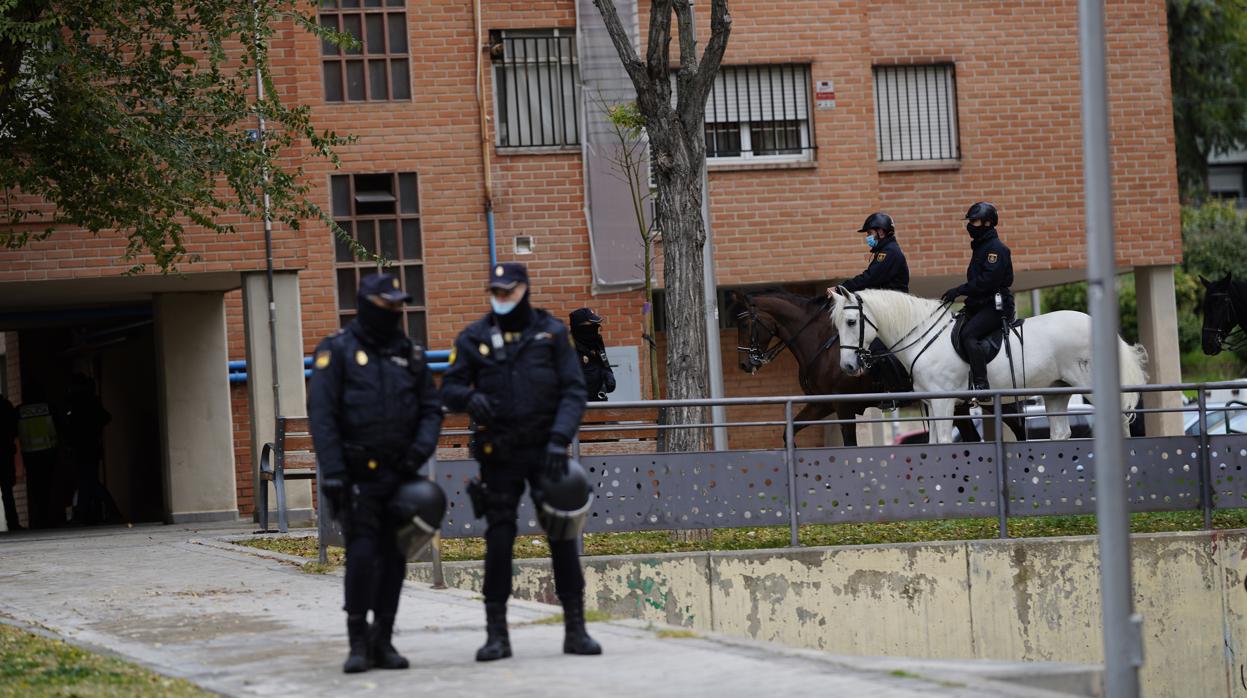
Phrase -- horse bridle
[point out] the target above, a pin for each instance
(1220, 334)
(866, 357)
(759, 356)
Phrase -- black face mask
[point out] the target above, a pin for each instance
(379, 323)
(517, 319)
(976, 232)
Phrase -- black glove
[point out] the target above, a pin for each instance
(480, 408)
(334, 489)
(951, 294)
(610, 382)
(556, 461)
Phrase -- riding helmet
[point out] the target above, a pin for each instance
(878, 219)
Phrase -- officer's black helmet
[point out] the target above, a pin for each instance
(878, 219)
(416, 510)
(983, 211)
(565, 502)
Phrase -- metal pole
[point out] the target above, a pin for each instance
(1002, 482)
(1205, 462)
(1123, 644)
(790, 461)
(439, 576)
(714, 364)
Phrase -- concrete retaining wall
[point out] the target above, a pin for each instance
(1032, 599)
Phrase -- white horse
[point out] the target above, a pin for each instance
(1057, 352)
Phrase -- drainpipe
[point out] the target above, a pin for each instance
(268, 217)
(485, 144)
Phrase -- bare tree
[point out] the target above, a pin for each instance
(678, 151)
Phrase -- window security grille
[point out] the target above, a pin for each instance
(916, 112)
(760, 111)
(382, 212)
(535, 77)
(378, 69)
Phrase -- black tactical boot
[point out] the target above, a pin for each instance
(575, 639)
(498, 643)
(357, 633)
(978, 366)
(381, 652)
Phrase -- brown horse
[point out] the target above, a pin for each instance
(768, 322)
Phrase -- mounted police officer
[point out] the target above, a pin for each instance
(887, 270)
(516, 374)
(586, 328)
(989, 302)
(375, 417)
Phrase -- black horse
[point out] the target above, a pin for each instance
(1225, 310)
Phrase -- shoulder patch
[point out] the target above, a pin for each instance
(454, 354)
(992, 257)
(585, 358)
(361, 357)
(322, 358)
(880, 256)
(542, 335)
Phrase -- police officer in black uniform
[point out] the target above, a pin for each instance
(989, 302)
(375, 417)
(888, 268)
(587, 331)
(516, 374)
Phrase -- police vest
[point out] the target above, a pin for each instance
(35, 427)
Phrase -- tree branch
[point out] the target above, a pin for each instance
(658, 50)
(688, 38)
(623, 45)
(720, 28)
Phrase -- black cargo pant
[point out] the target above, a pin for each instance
(979, 326)
(375, 567)
(504, 479)
(8, 478)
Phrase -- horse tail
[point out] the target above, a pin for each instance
(1133, 360)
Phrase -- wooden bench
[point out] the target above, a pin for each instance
(289, 457)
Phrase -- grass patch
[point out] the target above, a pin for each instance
(31, 664)
(318, 568)
(676, 634)
(591, 616)
(902, 674)
(653, 542)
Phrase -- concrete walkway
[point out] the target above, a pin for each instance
(186, 604)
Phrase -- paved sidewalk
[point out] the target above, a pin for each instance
(185, 604)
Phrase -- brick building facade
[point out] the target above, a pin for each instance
(996, 83)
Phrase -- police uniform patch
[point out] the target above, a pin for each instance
(361, 358)
(992, 257)
(585, 358)
(323, 357)
(498, 270)
(454, 354)
(483, 349)
(542, 335)
(880, 256)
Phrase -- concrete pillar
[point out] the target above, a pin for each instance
(1158, 332)
(871, 434)
(196, 426)
(292, 391)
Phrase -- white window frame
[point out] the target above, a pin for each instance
(793, 84)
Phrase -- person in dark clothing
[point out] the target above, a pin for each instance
(36, 431)
(84, 435)
(375, 416)
(989, 302)
(515, 373)
(887, 270)
(8, 462)
(586, 328)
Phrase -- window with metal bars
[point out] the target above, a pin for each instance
(382, 212)
(916, 112)
(378, 69)
(760, 113)
(535, 77)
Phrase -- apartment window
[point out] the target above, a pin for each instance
(916, 112)
(379, 69)
(535, 77)
(760, 112)
(382, 212)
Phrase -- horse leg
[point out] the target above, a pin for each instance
(1058, 429)
(941, 427)
(965, 425)
(848, 430)
(811, 412)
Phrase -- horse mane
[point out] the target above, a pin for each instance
(775, 292)
(892, 309)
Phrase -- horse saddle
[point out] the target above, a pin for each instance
(994, 341)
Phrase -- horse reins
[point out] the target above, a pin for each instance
(864, 354)
(1228, 340)
(765, 356)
